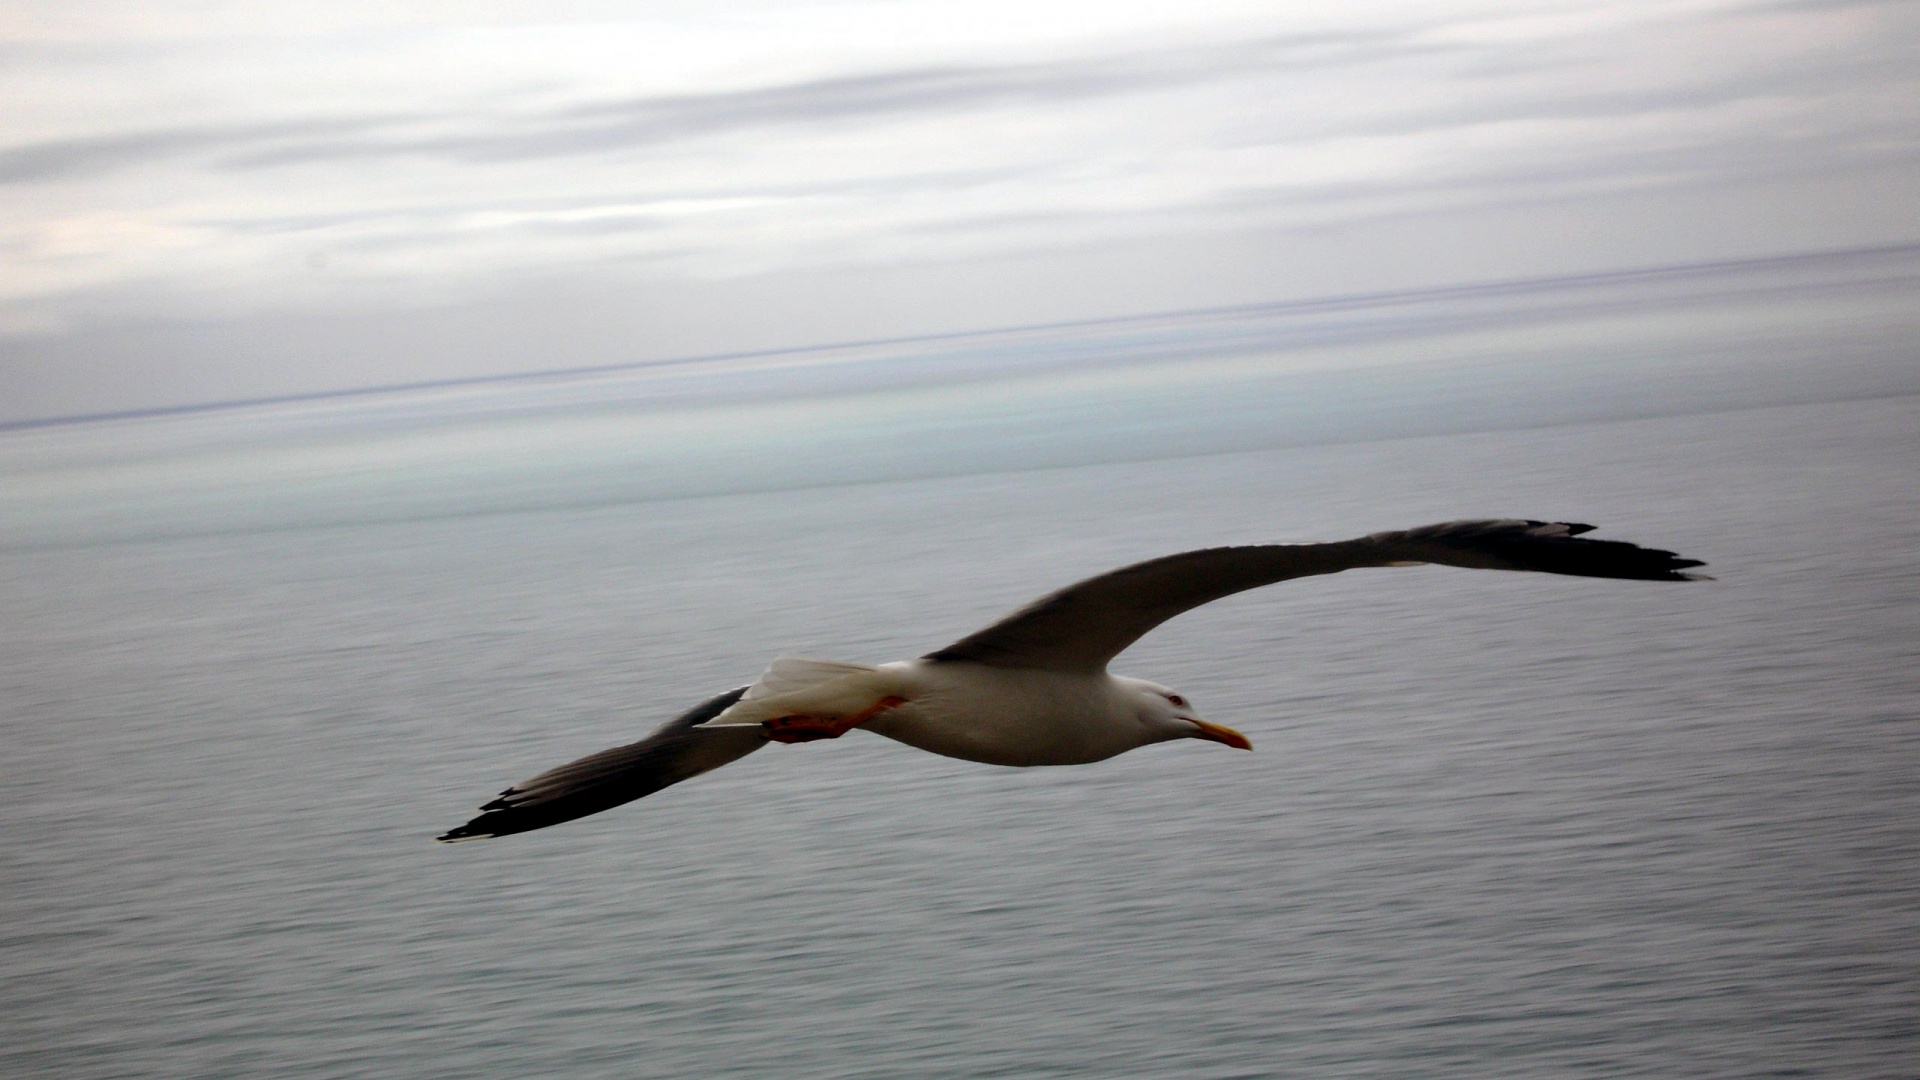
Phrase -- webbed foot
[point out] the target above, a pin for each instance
(799, 729)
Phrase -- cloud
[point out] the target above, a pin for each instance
(947, 90)
(198, 174)
(58, 159)
(626, 124)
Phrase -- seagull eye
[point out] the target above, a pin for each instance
(1177, 700)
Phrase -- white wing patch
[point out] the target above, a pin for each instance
(789, 673)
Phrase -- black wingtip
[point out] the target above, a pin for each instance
(489, 824)
(1679, 566)
(464, 833)
(672, 753)
(489, 812)
(1552, 547)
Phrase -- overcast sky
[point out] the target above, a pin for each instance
(207, 200)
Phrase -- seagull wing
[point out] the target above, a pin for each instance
(674, 752)
(1085, 625)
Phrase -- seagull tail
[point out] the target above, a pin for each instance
(789, 673)
(797, 684)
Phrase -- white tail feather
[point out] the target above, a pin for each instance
(794, 686)
(789, 673)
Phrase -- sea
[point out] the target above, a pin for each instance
(1495, 825)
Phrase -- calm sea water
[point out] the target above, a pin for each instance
(1496, 825)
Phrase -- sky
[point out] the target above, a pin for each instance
(205, 201)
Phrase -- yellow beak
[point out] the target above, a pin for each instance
(1220, 735)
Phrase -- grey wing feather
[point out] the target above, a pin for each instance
(675, 751)
(1084, 626)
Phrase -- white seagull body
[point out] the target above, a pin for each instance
(1033, 688)
(977, 712)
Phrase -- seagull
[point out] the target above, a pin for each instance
(1033, 688)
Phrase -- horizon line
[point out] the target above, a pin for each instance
(1493, 287)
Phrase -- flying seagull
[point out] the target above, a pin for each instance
(1033, 688)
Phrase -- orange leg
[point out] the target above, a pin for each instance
(796, 729)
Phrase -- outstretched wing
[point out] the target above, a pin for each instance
(1083, 626)
(674, 752)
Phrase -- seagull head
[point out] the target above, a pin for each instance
(1166, 715)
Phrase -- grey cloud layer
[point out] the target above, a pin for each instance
(649, 121)
(59, 159)
(274, 189)
(624, 125)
